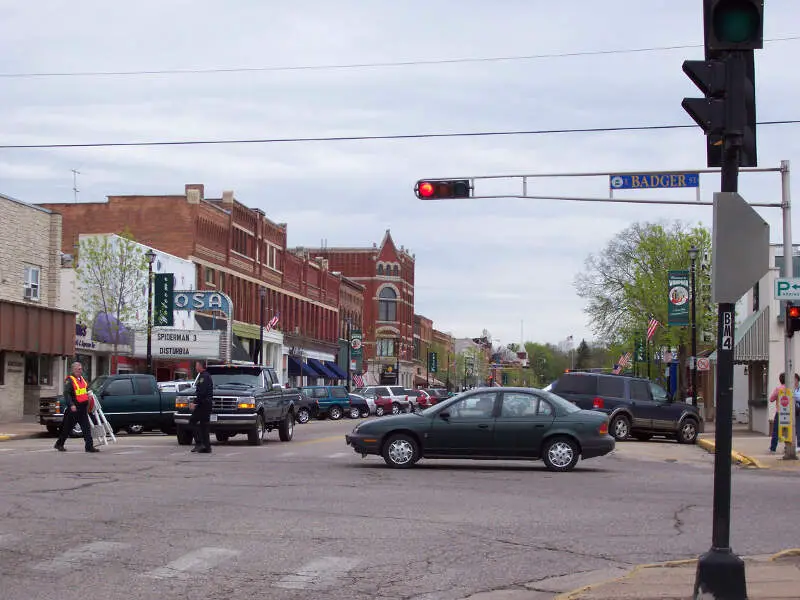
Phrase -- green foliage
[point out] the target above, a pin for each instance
(111, 274)
(583, 356)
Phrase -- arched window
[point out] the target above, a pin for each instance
(396, 271)
(387, 305)
(380, 269)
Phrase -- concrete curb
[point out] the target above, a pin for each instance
(7, 437)
(574, 594)
(747, 461)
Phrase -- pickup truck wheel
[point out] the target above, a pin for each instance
(620, 427)
(400, 451)
(395, 408)
(303, 415)
(687, 432)
(254, 436)
(222, 437)
(286, 428)
(335, 413)
(134, 429)
(185, 436)
(379, 411)
(354, 412)
(560, 454)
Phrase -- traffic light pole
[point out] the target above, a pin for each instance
(790, 447)
(721, 573)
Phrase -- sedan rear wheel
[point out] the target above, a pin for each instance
(395, 408)
(620, 427)
(379, 411)
(401, 451)
(303, 415)
(560, 454)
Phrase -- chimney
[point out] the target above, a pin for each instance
(227, 198)
(195, 192)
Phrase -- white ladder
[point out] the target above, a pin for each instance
(101, 430)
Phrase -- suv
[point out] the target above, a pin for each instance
(636, 407)
(387, 398)
(333, 400)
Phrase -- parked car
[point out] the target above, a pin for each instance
(247, 400)
(489, 423)
(333, 400)
(368, 393)
(306, 408)
(636, 407)
(359, 407)
(434, 395)
(130, 402)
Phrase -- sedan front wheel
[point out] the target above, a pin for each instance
(401, 451)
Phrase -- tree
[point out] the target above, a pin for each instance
(583, 357)
(112, 279)
(626, 283)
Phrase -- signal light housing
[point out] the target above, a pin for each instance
(733, 25)
(443, 189)
(792, 318)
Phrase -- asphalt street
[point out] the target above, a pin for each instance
(144, 518)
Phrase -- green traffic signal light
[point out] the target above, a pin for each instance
(736, 21)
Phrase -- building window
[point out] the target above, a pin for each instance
(272, 257)
(31, 283)
(387, 305)
(396, 271)
(31, 369)
(209, 278)
(222, 282)
(384, 347)
(380, 269)
(2, 368)
(45, 370)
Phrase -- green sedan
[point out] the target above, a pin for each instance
(489, 423)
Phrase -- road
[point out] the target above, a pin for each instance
(145, 518)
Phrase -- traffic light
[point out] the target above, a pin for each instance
(733, 25)
(733, 29)
(442, 189)
(792, 318)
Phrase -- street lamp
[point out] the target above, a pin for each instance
(693, 252)
(150, 256)
(349, 352)
(262, 293)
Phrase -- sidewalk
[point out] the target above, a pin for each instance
(768, 578)
(20, 430)
(751, 449)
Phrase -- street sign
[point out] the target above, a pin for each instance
(740, 247)
(703, 364)
(164, 300)
(648, 181)
(678, 304)
(787, 288)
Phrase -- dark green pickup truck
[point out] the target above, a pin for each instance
(127, 401)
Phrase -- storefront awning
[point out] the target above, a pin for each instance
(297, 368)
(321, 369)
(751, 339)
(336, 369)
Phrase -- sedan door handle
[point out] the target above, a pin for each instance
(483, 426)
(540, 426)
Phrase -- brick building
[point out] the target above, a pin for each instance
(446, 345)
(36, 334)
(237, 250)
(387, 274)
(423, 337)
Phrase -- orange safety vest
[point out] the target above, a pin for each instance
(80, 387)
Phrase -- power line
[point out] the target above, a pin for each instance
(360, 138)
(407, 63)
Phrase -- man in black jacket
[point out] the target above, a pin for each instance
(201, 409)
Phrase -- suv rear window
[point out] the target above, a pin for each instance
(611, 387)
(576, 384)
(398, 391)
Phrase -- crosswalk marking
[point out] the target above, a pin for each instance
(130, 452)
(317, 573)
(230, 454)
(285, 454)
(198, 561)
(338, 455)
(78, 556)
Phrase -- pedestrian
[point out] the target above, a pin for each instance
(773, 442)
(76, 409)
(201, 409)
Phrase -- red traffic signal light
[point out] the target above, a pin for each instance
(792, 318)
(442, 189)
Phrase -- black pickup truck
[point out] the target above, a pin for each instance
(129, 401)
(248, 399)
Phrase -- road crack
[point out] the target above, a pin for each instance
(677, 521)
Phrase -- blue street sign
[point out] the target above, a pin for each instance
(640, 181)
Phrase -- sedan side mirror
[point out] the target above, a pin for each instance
(444, 415)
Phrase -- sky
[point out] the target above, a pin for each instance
(504, 265)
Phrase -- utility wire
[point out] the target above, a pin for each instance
(408, 63)
(359, 138)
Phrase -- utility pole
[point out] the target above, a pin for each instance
(790, 447)
(75, 185)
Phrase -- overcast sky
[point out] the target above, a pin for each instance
(491, 264)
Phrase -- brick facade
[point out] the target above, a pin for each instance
(388, 334)
(236, 249)
(35, 334)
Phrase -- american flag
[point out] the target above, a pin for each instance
(623, 362)
(358, 380)
(273, 321)
(651, 327)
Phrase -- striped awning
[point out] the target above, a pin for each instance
(752, 339)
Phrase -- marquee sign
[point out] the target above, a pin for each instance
(179, 344)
